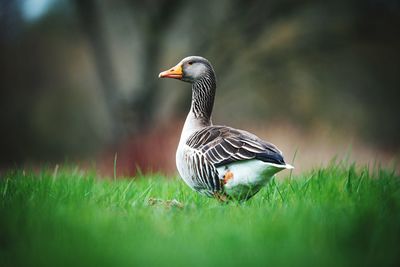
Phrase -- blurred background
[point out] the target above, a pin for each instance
(320, 79)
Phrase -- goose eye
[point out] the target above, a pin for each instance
(190, 62)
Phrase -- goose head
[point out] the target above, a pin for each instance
(190, 69)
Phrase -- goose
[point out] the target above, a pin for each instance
(219, 161)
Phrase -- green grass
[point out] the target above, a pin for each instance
(334, 216)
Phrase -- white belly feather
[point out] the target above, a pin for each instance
(185, 172)
(249, 176)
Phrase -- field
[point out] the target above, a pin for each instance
(341, 215)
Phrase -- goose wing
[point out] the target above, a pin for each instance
(222, 145)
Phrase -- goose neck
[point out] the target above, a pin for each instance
(203, 93)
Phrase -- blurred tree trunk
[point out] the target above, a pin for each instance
(154, 17)
(91, 22)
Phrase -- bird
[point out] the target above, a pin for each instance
(219, 161)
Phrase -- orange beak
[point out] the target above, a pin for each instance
(175, 72)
